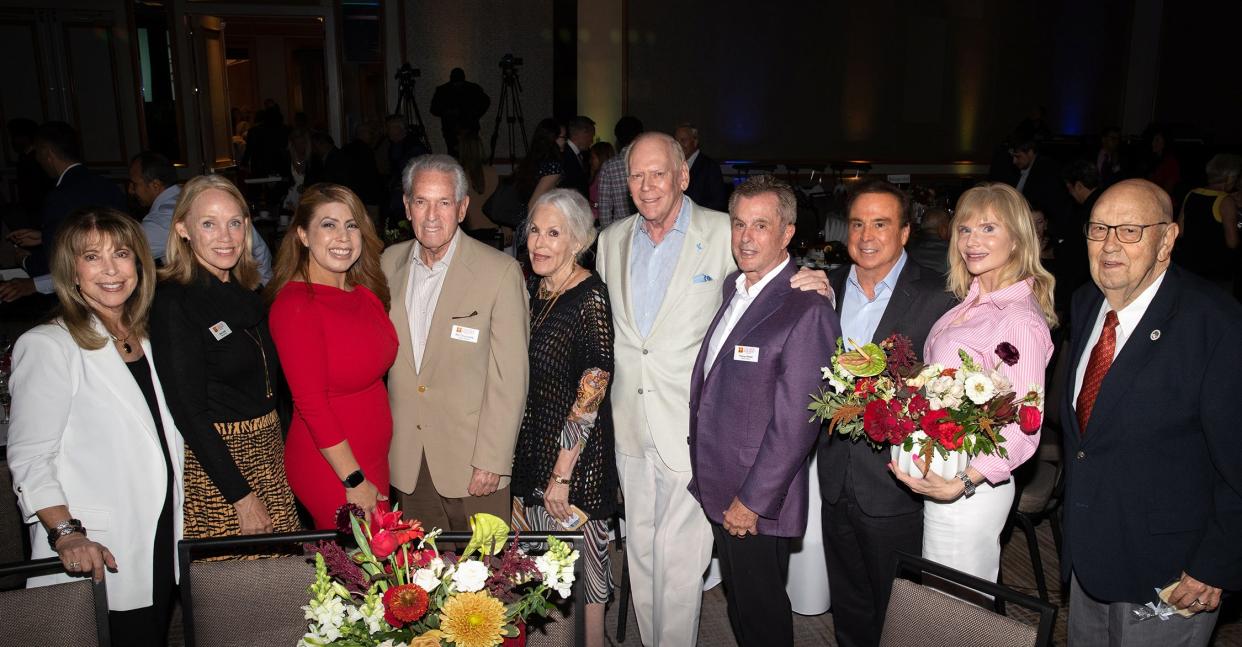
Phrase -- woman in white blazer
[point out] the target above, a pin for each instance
(95, 456)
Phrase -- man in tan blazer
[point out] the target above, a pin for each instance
(664, 267)
(458, 387)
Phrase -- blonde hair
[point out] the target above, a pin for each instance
(180, 264)
(293, 259)
(79, 231)
(1012, 210)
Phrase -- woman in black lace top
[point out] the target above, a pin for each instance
(564, 464)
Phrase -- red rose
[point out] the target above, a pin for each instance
(940, 427)
(1029, 419)
(404, 604)
(875, 420)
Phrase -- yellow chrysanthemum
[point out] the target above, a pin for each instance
(473, 620)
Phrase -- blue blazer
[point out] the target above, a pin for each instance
(1154, 485)
(750, 432)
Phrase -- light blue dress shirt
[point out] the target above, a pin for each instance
(158, 221)
(860, 316)
(652, 265)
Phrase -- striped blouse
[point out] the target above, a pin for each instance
(978, 325)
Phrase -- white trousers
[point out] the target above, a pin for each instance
(965, 534)
(669, 544)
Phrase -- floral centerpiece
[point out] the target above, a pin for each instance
(966, 410)
(398, 589)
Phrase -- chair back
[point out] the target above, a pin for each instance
(245, 602)
(72, 613)
(918, 613)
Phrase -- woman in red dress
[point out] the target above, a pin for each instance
(330, 322)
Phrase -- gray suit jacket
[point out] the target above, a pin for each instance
(918, 300)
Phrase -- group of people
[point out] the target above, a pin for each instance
(678, 371)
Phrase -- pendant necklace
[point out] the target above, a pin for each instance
(123, 342)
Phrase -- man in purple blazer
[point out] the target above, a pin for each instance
(750, 434)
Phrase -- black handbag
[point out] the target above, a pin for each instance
(505, 207)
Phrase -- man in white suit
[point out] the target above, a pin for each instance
(664, 267)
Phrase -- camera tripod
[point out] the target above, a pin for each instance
(407, 106)
(510, 108)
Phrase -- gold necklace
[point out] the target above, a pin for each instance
(543, 295)
(257, 338)
(123, 342)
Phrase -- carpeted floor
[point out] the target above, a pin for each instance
(817, 630)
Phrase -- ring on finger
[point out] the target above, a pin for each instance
(74, 564)
(1198, 602)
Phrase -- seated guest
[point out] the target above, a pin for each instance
(153, 183)
(58, 150)
(219, 367)
(1208, 223)
(749, 433)
(564, 454)
(330, 323)
(95, 455)
(1006, 297)
(930, 248)
(707, 187)
(1141, 406)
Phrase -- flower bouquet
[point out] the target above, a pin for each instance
(396, 589)
(966, 410)
(870, 392)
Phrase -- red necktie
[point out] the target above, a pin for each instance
(1097, 368)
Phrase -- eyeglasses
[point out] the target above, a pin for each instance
(1098, 231)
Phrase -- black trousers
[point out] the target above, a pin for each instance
(753, 569)
(861, 554)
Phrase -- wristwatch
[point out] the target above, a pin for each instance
(970, 485)
(66, 527)
(353, 480)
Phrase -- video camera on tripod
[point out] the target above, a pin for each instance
(406, 104)
(510, 62)
(509, 108)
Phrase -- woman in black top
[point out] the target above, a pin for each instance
(93, 449)
(219, 367)
(564, 455)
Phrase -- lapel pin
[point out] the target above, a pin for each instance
(1155, 334)
(698, 247)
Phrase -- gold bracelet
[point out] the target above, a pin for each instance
(560, 480)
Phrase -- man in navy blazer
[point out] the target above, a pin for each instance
(1153, 485)
(707, 185)
(750, 434)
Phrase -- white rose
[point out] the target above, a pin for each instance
(470, 576)
(426, 579)
(979, 388)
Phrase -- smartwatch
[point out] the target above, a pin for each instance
(353, 480)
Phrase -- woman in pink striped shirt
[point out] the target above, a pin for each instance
(1006, 297)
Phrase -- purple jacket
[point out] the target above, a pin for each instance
(750, 430)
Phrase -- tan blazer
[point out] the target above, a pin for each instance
(465, 408)
(651, 387)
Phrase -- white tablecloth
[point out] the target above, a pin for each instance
(808, 574)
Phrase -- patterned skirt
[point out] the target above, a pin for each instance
(258, 449)
(596, 570)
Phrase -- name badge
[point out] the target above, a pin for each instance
(462, 333)
(220, 330)
(746, 353)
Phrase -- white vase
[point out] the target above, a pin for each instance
(947, 468)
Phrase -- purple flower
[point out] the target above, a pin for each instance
(342, 517)
(1007, 353)
(340, 565)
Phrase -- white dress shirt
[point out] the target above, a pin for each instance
(422, 294)
(1127, 320)
(738, 305)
